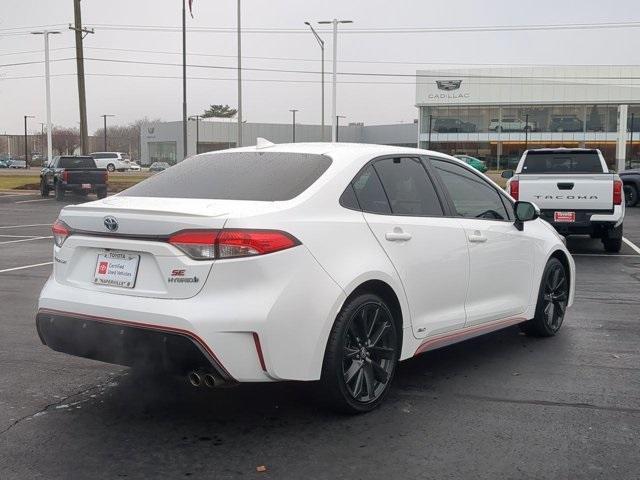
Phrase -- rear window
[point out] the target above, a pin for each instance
(71, 163)
(261, 176)
(562, 162)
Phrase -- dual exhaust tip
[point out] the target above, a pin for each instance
(198, 379)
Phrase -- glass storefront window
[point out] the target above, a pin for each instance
(162, 152)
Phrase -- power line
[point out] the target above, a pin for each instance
(376, 30)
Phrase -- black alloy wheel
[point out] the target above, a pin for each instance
(369, 352)
(630, 195)
(361, 355)
(553, 298)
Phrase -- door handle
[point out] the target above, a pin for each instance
(398, 235)
(477, 237)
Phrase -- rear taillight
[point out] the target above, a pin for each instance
(105, 176)
(198, 244)
(65, 177)
(212, 244)
(617, 192)
(514, 189)
(60, 232)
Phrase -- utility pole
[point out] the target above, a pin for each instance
(337, 119)
(293, 110)
(633, 118)
(239, 142)
(197, 119)
(26, 150)
(184, 80)
(82, 98)
(526, 131)
(104, 117)
(334, 22)
(321, 43)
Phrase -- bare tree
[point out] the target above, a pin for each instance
(65, 140)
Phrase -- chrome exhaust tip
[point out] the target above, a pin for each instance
(210, 381)
(195, 379)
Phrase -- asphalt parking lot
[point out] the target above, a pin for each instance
(499, 406)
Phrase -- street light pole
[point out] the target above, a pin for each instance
(104, 117)
(321, 43)
(526, 131)
(239, 143)
(337, 118)
(293, 110)
(47, 77)
(334, 22)
(197, 119)
(26, 154)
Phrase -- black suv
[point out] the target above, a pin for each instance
(453, 125)
(566, 124)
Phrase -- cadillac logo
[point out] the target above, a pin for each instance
(111, 223)
(150, 130)
(448, 85)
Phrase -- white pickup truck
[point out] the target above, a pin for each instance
(575, 191)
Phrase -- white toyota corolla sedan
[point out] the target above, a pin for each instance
(312, 262)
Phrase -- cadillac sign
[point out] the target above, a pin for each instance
(448, 86)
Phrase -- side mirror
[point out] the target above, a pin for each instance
(507, 174)
(525, 212)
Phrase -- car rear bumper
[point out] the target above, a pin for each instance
(255, 314)
(587, 221)
(130, 344)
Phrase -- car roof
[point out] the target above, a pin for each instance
(564, 150)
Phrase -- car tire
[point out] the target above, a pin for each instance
(630, 195)
(551, 306)
(612, 240)
(59, 193)
(361, 356)
(44, 189)
(101, 193)
(111, 168)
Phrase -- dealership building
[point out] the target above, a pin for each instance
(162, 141)
(495, 113)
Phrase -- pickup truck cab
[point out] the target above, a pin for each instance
(73, 173)
(575, 191)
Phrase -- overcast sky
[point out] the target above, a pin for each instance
(130, 98)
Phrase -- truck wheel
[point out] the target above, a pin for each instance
(59, 193)
(44, 189)
(553, 297)
(630, 195)
(101, 193)
(612, 240)
(111, 167)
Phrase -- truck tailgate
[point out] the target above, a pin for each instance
(570, 192)
(93, 177)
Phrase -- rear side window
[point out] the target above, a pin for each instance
(561, 162)
(259, 176)
(71, 163)
(408, 188)
(370, 193)
(471, 195)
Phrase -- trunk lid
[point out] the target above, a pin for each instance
(140, 239)
(568, 192)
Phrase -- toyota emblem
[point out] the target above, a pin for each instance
(111, 223)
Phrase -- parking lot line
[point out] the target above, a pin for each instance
(25, 267)
(36, 200)
(632, 245)
(31, 225)
(25, 240)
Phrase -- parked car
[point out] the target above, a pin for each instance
(576, 191)
(133, 166)
(453, 125)
(112, 161)
(566, 124)
(13, 163)
(511, 125)
(473, 162)
(158, 166)
(308, 262)
(4, 163)
(631, 185)
(77, 174)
